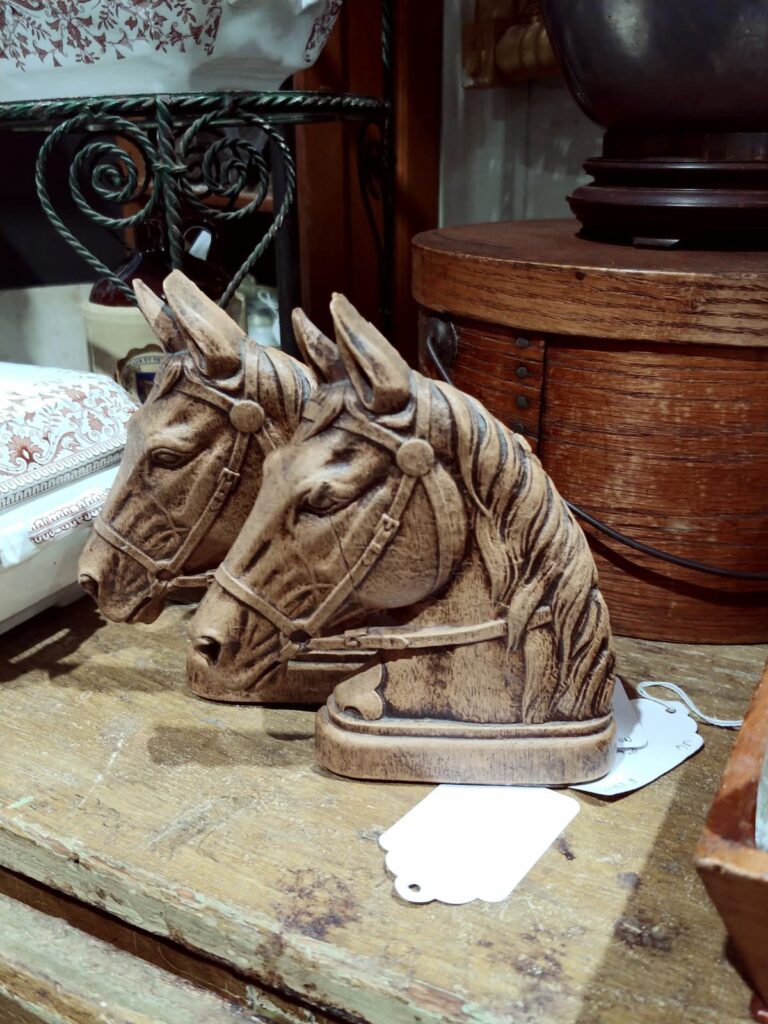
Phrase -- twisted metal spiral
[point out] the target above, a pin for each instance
(224, 168)
(217, 178)
(228, 168)
(159, 176)
(114, 177)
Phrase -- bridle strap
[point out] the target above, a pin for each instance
(402, 638)
(372, 638)
(204, 393)
(122, 544)
(300, 636)
(108, 533)
(247, 596)
(383, 534)
(164, 572)
(289, 628)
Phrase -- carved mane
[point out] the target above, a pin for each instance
(534, 553)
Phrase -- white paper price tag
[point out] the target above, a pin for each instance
(463, 843)
(672, 737)
(630, 734)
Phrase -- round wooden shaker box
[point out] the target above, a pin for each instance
(640, 376)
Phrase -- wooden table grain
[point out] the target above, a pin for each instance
(204, 837)
(52, 972)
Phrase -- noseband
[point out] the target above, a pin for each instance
(416, 462)
(247, 417)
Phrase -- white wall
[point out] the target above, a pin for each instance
(44, 326)
(509, 153)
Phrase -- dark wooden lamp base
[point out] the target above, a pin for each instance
(697, 189)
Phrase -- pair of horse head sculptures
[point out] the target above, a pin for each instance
(376, 540)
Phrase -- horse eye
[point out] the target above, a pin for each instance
(167, 457)
(321, 502)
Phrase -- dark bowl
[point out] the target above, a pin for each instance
(692, 65)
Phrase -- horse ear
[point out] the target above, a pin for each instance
(160, 318)
(214, 339)
(319, 351)
(377, 372)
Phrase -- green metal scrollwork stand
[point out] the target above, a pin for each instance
(153, 167)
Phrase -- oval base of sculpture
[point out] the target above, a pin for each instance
(430, 750)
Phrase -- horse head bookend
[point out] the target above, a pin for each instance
(192, 465)
(404, 496)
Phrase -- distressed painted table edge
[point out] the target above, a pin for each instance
(201, 927)
(51, 971)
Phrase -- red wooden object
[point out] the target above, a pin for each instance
(734, 871)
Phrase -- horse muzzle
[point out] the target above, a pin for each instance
(119, 588)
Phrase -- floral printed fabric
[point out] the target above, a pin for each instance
(321, 29)
(52, 32)
(56, 426)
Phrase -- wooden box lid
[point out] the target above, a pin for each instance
(539, 275)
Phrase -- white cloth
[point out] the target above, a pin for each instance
(27, 528)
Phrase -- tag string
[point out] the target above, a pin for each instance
(721, 723)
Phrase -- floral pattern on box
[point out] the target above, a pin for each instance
(52, 31)
(54, 49)
(56, 426)
(321, 29)
(67, 517)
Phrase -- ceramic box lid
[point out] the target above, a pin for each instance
(55, 427)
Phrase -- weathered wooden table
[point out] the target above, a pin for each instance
(204, 839)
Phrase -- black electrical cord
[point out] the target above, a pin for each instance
(665, 556)
(621, 538)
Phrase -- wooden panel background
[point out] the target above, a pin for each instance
(336, 244)
(508, 153)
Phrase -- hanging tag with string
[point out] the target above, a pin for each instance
(672, 737)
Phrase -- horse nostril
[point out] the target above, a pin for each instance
(209, 648)
(89, 585)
